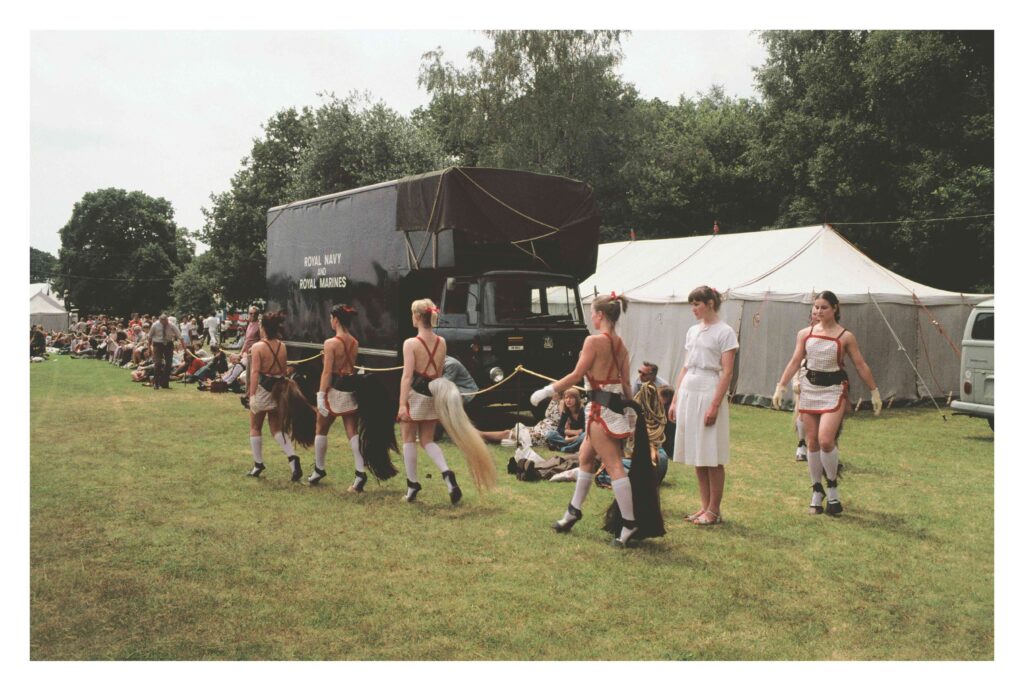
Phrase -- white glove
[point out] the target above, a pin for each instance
(321, 403)
(541, 395)
(876, 401)
(780, 390)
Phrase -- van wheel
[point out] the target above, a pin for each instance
(992, 423)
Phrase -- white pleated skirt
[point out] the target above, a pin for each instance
(697, 444)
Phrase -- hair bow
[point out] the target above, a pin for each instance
(435, 310)
(348, 310)
(613, 295)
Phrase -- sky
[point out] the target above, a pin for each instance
(172, 113)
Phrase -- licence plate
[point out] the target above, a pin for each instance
(515, 347)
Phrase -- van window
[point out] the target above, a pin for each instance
(534, 299)
(984, 328)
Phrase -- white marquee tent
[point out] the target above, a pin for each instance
(46, 309)
(769, 279)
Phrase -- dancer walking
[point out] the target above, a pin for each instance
(604, 361)
(272, 396)
(824, 391)
(424, 398)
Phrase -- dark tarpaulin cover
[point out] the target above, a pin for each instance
(490, 206)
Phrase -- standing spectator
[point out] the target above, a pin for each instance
(212, 326)
(162, 336)
(188, 327)
(252, 333)
(701, 408)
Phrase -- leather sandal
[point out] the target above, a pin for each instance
(703, 519)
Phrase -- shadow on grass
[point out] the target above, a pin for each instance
(881, 520)
(989, 438)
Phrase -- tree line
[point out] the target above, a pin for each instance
(887, 135)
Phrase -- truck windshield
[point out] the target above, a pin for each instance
(514, 299)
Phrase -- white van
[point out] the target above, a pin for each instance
(977, 365)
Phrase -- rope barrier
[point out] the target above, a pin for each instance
(900, 344)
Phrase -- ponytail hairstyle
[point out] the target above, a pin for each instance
(611, 306)
(272, 323)
(706, 294)
(452, 414)
(830, 298)
(344, 314)
(425, 312)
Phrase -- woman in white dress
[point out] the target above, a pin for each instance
(824, 386)
(699, 410)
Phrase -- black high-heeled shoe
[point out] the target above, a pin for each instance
(359, 483)
(414, 489)
(455, 494)
(816, 488)
(833, 507)
(297, 470)
(256, 469)
(628, 542)
(563, 525)
(318, 475)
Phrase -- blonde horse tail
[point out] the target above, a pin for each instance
(448, 403)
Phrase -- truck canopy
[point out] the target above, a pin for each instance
(506, 219)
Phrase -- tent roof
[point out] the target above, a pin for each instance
(41, 303)
(788, 265)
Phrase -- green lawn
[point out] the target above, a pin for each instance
(148, 543)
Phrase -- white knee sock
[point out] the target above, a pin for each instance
(800, 429)
(320, 447)
(257, 449)
(583, 482)
(360, 463)
(285, 443)
(814, 466)
(436, 455)
(409, 456)
(830, 459)
(624, 498)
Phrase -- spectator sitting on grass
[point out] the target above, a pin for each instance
(538, 433)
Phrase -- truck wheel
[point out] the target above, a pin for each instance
(992, 423)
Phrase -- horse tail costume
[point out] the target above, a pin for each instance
(452, 414)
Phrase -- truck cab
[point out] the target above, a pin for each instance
(977, 365)
(498, 320)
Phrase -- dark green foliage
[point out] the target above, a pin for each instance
(41, 265)
(236, 225)
(885, 126)
(119, 253)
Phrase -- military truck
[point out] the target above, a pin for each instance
(500, 251)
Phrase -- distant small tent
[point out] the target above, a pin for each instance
(46, 308)
(769, 280)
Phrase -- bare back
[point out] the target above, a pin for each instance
(609, 355)
(269, 357)
(429, 355)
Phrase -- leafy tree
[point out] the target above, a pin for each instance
(354, 142)
(546, 101)
(195, 289)
(119, 252)
(880, 126)
(41, 265)
(236, 224)
(691, 165)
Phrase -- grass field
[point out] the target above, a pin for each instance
(147, 543)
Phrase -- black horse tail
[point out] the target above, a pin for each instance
(297, 416)
(376, 426)
(644, 484)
